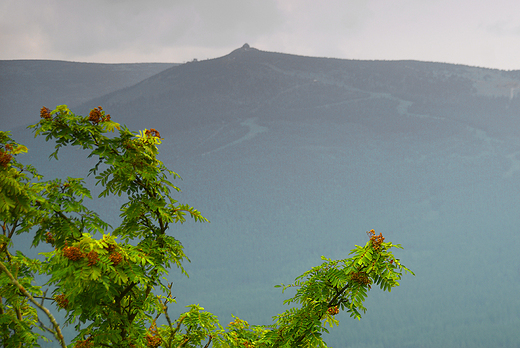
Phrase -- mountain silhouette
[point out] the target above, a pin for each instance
(393, 96)
(27, 85)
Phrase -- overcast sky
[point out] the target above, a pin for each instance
(483, 33)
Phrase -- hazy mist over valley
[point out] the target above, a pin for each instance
(294, 157)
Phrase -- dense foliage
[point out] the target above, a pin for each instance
(111, 282)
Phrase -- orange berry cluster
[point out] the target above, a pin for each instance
(377, 241)
(49, 238)
(361, 277)
(116, 258)
(84, 343)
(5, 157)
(96, 116)
(61, 301)
(333, 310)
(153, 341)
(45, 113)
(93, 258)
(110, 247)
(73, 253)
(152, 132)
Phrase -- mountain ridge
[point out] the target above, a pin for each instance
(252, 83)
(27, 85)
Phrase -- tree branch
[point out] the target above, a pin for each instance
(58, 334)
(338, 294)
(124, 292)
(209, 341)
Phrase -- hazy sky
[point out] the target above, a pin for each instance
(482, 33)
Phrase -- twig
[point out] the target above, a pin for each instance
(58, 334)
(209, 341)
(44, 298)
(338, 294)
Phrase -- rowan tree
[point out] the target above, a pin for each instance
(111, 281)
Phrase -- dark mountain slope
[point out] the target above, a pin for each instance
(27, 85)
(395, 96)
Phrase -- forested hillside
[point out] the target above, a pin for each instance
(291, 158)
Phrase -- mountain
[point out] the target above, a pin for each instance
(292, 157)
(27, 85)
(397, 96)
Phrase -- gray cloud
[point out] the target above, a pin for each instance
(81, 28)
(503, 28)
(466, 32)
